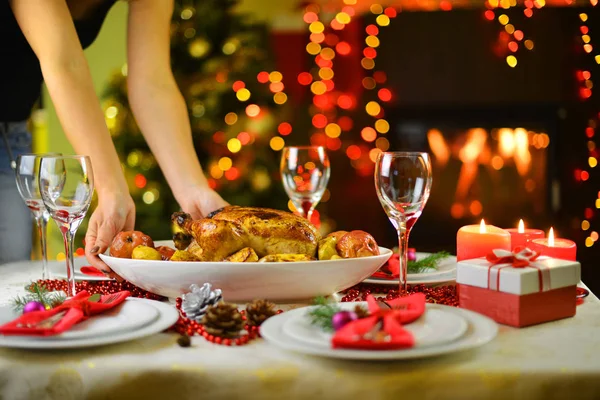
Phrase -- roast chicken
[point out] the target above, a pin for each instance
(234, 228)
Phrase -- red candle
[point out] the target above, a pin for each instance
(521, 237)
(474, 241)
(564, 249)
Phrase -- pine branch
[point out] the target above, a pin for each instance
(37, 292)
(322, 314)
(430, 262)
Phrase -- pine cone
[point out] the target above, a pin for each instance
(258, 311)
(361, 312)
(223, 319)
(195, 303)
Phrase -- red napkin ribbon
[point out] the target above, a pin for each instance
(62, 318)
(520, 257)
(382, 330)
(91, 271)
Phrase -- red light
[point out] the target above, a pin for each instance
(276, 87)
(284, 128)
(391, 12)
(80, 251)
(518, 35)
(345, 102)
(221, 77)
(372, 30)
(337, 25)
(323, 63)
(353, 152)
(329, 84)
(219, 137)
(237, 85)
(140, 181)
(584, 30)
(370, 52)
(244, 138)
(585, 93)
(585, 175)
(318, 139)
(345, 123)
(343, 48)
(317, 37)
(513, 46)
(334, 143)
(310, 17)
(528, 12)
(489, 15)
(263, 77)
(384, 94)
(304, 78)
(322, 101)
(332, 39)
(252, 110)
(380, 77)
(528, 3)
(586, 75)
(589, 132)
(368, 134)
(445, 5)
(212, 183)
(579, 75)
(319, 121)
(349, 10)
(232, 174)
(578, 175)
(588, 213)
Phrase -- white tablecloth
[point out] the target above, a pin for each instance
(557, 360)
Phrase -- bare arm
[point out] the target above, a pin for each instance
(50, 31)
(159, 107)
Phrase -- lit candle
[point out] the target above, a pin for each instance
(564, 249)
(474, 241)
(521, 237)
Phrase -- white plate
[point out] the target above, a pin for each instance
(480, 331)
(167, 316)
(435, 327)
(240, 282)
(58, 270)
(446, 272)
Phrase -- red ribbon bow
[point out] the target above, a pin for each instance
(382, 330)
(520, 257)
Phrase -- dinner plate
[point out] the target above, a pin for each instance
(58, 270)
(167, 316)
(480, 330)
(292, 282)
(436, 326)
(446, 272)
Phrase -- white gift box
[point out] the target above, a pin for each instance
(543, 275)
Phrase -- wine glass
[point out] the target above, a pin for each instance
(27, 171)
(403, 183)
(67, 184)
(305, 172)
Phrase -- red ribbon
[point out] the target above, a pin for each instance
(382, 330)
(520, 257)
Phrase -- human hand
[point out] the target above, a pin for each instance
(114, 214)
(200, 201)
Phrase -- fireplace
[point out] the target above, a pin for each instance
(491, 163)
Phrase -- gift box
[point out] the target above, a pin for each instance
(519, 291)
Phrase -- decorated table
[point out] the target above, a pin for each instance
(558, 359)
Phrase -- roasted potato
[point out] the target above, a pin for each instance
(183, 255)
(285, 258)
(247, 254)
(327, 248)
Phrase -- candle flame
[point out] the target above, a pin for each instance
(482, 227)
(551, 238)
(521, 226)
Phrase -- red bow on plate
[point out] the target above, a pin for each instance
(520, 257)
(382, 330)
(63, 317)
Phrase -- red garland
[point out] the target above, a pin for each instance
(441, 295)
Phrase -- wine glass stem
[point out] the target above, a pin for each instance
(403, 253)
(68, 239)
(42, 224)
(307, 208)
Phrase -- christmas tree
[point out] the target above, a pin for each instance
(223, 68)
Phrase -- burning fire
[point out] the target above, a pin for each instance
(482, 228)
(521, 228)
(551, 238)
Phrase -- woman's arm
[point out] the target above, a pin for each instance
(49, 29)
(159, 107)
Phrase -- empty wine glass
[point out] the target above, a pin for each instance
(403, 183)
(27, 174)
(305, 172)
(67, 184)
